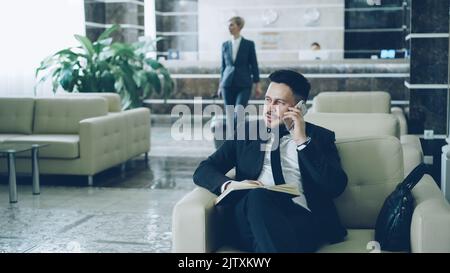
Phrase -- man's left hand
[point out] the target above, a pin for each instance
(298, 133)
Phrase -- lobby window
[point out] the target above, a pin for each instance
(33, 30)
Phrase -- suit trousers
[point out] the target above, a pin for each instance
(270, 222)
(234, 96)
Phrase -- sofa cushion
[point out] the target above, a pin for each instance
(16, 115)
(368, 186)
(356, 125)
(61, 146)
(4, 137)
(352, 102)
(62, 115)
(357, 241)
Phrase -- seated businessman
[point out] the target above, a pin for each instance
(305, 155)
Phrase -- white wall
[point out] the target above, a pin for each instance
(32, 30)
(280, 40)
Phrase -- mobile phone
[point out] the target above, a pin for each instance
(302, 107)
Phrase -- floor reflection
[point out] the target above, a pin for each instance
(126, 211)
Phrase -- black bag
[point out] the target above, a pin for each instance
(393, 225)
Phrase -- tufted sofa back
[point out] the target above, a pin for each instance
(59, 115)
(374, 167)
(16, 115)
(352, 102)
(113, 99)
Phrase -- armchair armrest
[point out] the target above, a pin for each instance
(412, 152)
(411, 140)
(400, 116)
(430, 226)
(102, 142)
(194, 222)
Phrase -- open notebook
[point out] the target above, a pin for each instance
(236, 191)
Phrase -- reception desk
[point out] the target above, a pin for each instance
(201, 79)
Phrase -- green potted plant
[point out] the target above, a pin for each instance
(107, 66)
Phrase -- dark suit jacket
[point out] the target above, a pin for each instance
(322, 175)
(244, 71)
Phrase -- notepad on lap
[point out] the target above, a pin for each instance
(236, 190)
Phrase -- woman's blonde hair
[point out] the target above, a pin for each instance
(239, 21)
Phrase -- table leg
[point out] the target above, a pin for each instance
(35, 170)
(12, 178)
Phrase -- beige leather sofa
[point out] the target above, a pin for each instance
(359, 102)
(374, 166)
(84, 137)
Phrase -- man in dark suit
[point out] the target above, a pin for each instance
(239, 67)
(305, 156)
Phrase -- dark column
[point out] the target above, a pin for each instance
(130, 15)
(428, 83)
(372, 28)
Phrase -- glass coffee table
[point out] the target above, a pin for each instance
(10, 150)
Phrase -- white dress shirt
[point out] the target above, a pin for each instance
(235, 43)
(289, 167)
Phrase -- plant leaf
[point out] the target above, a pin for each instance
(107, 82)
(66, 79)
(107, 33)
(154, 81)
(168, 83)
(86, 44)
(154, 64)
(123, 50)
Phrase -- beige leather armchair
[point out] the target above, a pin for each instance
(359, 102)
(374, 166)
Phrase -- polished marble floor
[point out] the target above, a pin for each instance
(125, 211)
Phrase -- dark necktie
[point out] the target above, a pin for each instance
(275, 160)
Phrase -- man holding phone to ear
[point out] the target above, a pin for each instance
(301, 154)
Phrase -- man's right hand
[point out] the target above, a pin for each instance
(219, 92)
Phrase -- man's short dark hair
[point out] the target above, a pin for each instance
(296, 81)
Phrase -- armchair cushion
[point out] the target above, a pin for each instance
(374, 167)
(357, 241)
